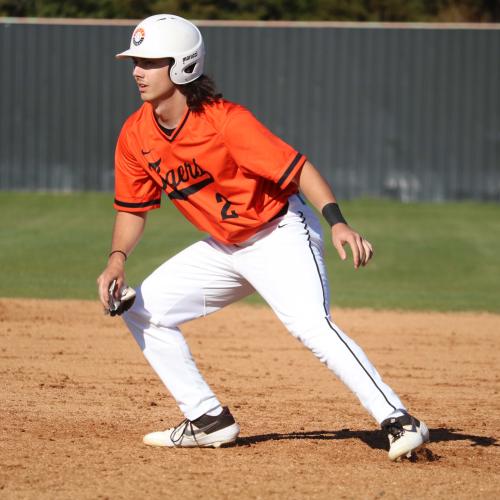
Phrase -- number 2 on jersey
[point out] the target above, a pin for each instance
(225, 214)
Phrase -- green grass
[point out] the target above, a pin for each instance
(428, 256)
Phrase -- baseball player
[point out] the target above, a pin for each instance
(235, 180)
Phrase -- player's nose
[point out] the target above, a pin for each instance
(138, 72)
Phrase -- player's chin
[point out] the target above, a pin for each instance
(146, 96)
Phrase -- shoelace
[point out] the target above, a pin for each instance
(184, 425)
(396, 431)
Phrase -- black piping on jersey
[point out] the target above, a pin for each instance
(184, 193)
(170, 137)
(137, 205)
(168, 131)
(303, 220)
(283, 178)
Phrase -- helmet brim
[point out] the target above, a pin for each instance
(131, 53)
(137, 52)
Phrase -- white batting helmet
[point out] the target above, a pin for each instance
(166, 35)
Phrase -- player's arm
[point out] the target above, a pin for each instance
(127, 232)
(320, 194)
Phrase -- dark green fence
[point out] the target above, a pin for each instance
(411, 112)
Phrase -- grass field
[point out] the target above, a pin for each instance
(428, 256)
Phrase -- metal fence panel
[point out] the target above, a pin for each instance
(407, 112)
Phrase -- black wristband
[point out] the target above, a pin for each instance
(118, 251)
(331, 212)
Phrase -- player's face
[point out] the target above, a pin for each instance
(153, 80)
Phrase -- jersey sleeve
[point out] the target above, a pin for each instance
(135, 190)
(256, 150)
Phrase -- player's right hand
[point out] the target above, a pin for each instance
(115, 270)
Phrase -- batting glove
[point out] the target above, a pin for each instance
(116, 307)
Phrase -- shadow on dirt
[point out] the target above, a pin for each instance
(443, 434)
(374, 439)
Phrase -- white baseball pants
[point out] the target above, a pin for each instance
(284, 263)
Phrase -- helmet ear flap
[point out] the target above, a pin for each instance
(189, 69)
(173, 72)
(181, 74)
(170, 63)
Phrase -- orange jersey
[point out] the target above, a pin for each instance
(225, 171)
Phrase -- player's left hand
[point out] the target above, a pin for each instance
(362, 250)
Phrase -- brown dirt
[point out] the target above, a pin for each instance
(77, 396)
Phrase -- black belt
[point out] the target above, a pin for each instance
(282, 212)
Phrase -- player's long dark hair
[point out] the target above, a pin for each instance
(200, 92)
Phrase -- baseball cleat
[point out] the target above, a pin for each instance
(406, 434)
(205, 431)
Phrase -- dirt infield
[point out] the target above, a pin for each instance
(77, 396)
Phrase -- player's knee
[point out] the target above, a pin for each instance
(306, 328)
